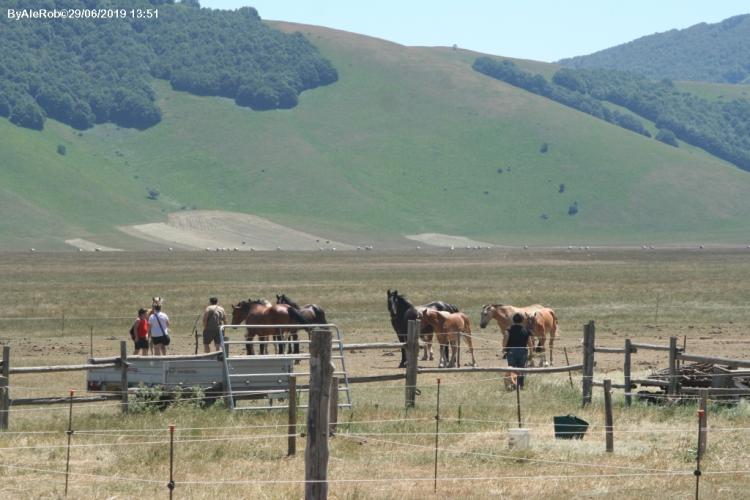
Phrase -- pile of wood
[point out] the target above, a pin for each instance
(690, 375)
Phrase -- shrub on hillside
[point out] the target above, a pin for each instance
(667, 137)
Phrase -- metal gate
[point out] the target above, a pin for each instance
(250, 377)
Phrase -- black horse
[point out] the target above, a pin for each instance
(402, 311)
(312, 314)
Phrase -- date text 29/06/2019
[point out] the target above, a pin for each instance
(41, 14)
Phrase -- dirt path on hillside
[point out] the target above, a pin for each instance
(205, 229)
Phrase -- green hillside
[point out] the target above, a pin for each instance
(409, 140)
(717, 52)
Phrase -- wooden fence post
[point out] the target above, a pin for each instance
(672, 388)
(316, 451)
(703, 421)
(589, 338)
(124, 374)
(608, 421)
(333, 406)
(412, 354)
(292, 428)
(4, 390)
(626, 372)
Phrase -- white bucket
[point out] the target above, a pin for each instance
(518, 438)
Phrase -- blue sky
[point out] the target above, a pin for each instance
(545, 30)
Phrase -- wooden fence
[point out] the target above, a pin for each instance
(7, 370)
(721, 379)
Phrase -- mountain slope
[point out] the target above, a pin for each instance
(408, 141)
(705, 52)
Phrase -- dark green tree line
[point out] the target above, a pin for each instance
(87, 71)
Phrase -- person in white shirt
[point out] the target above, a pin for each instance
(158, 330)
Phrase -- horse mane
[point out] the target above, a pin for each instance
(284, 299)
(443, 306)
(261, 301)
(295, 316)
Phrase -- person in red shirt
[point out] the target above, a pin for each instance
(141, 333)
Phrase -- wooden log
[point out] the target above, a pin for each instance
(717, 391)
(4, 391)
(124, 375)
(292, 427)
(589, 340)
(608, 420)
(4, 408)
(374, 345)
(376, 378)
(412, 354)
(611, 350)
(502, 369)
(672, 389)
(596, 383)
(64, 400)
(652, 347)
(703, 423)
(60, 368)
(333, 406)
(626, 371)
(650, 381)
(714, 359)
(316, 450)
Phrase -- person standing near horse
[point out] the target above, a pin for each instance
(517, 344)
(213, 318)
(140, 330)
(158, 329)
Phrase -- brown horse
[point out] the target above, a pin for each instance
(262, 312)
(448, 327)
(503, 314)
(312, 313)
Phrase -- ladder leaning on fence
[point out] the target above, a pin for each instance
(253, 377)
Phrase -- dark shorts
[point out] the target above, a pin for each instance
(141, 343)
(159, 340)
(209, 337)
(517, 357)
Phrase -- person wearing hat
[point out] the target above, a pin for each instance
(516, 344)
(213, 318)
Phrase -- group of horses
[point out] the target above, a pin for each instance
(449, 326)
(438, 319)
(260, 312)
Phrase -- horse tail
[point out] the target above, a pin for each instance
(320, 315)
(296, 316)
(554, 332)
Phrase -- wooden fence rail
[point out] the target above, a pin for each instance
(672, 384)
(502, 369)
(6, 402)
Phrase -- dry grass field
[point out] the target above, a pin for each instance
(52, 305)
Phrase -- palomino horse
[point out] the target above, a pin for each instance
(448, 327)
(262, 312)
(312, 313)
(541, 323)
(402, 311)
(503, 314)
